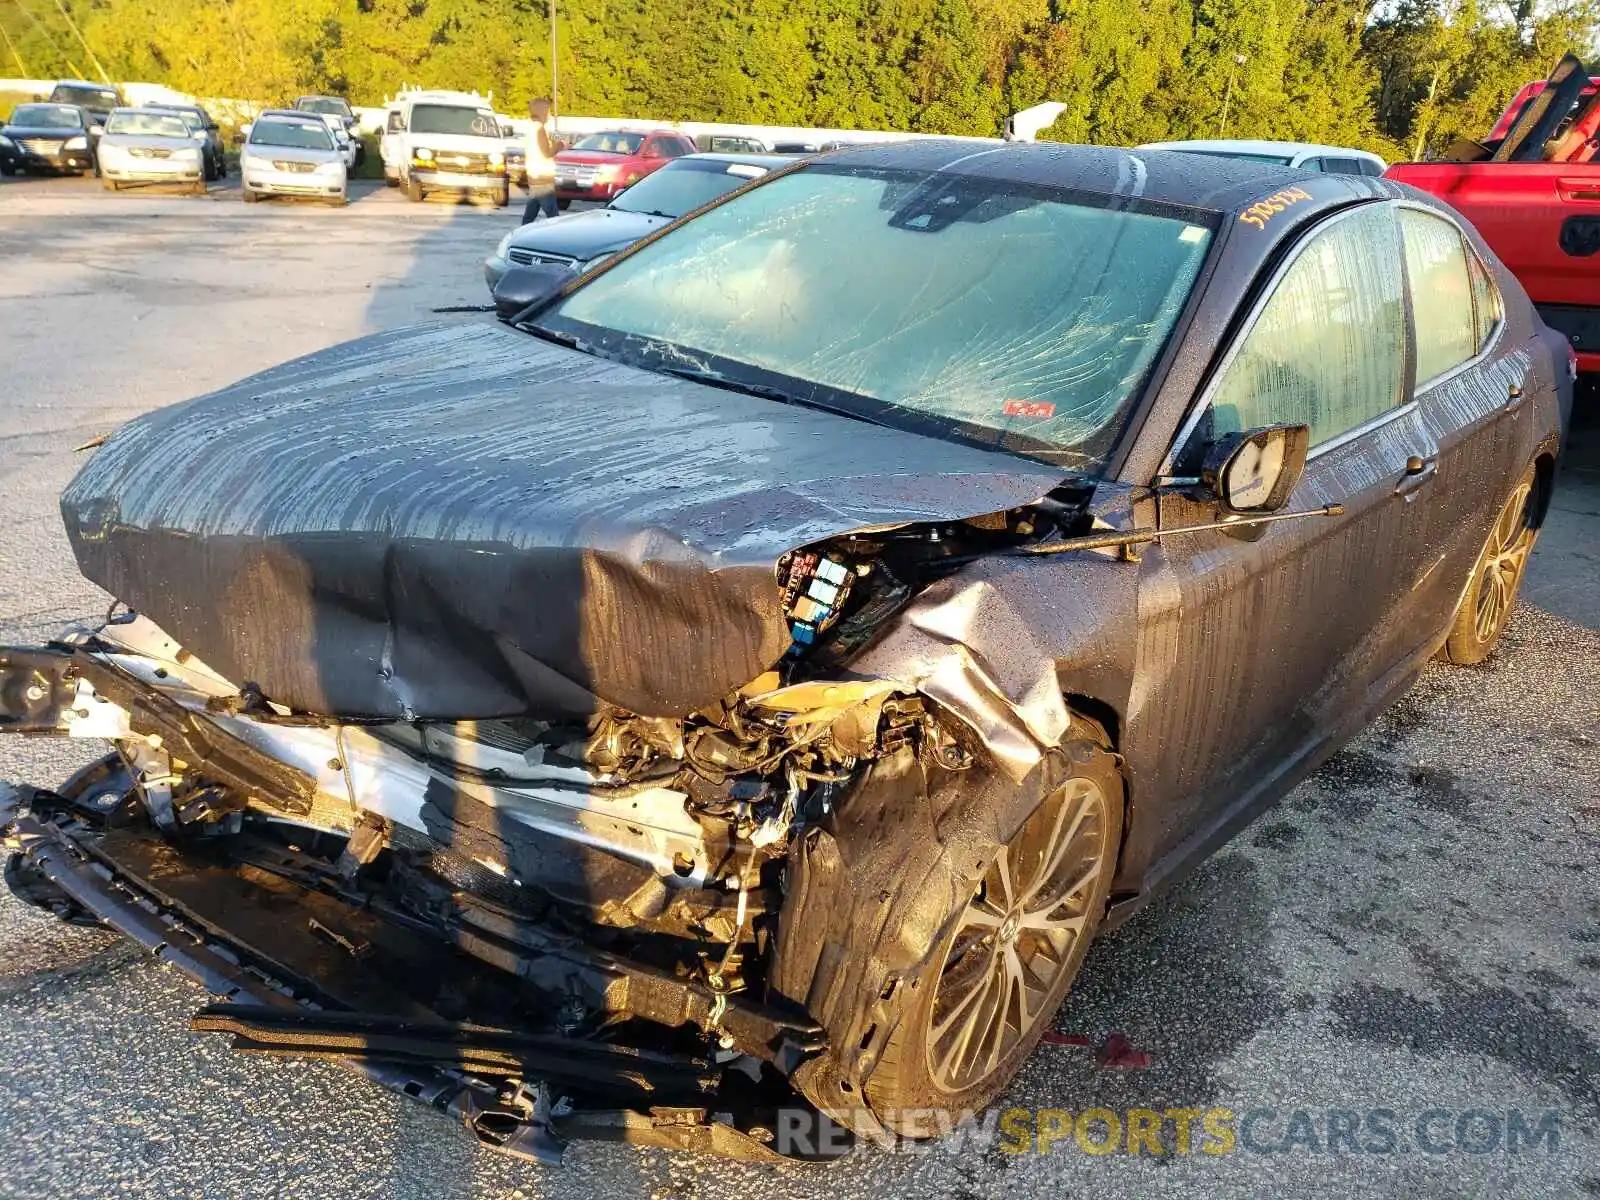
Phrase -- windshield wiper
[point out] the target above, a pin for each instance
(765, 391)
(568, 340)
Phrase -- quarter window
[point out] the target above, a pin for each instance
(1441, 294)
(1328, 348)
(1486, 301)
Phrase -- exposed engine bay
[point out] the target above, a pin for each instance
(579, 880)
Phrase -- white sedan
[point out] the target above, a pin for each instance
(289, 153)
(147, 146)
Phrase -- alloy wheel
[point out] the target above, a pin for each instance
(1017, 935)
(1500, 567)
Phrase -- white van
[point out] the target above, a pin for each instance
(435, 141)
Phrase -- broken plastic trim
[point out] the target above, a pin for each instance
(489, 1103)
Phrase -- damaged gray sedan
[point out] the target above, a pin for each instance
(743, 682)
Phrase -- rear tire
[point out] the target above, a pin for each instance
(1486, 605)
(1009, 955)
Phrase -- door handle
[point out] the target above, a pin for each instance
(1419, 472)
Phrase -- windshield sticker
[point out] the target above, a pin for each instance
(1262, 211)
(485, 126)
(748, 170)
(1192, 233)
(1040, 410)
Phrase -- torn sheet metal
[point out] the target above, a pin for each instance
(461, 521)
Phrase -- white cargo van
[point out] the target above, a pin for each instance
(436, 141)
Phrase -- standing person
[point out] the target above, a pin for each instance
(541, 157)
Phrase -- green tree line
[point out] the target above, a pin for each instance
(1402, 77)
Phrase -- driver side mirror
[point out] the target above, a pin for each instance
(523, 287)
(1256, 471)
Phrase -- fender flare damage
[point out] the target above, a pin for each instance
(889, 869)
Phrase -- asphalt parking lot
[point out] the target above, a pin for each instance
(1414, 931)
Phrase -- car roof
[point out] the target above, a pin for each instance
(772, 161)
(88, 83)
(1191, 181)
(290, 114)
(1259, 146)
(157, 104)
(641, 129)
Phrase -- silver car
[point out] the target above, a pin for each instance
(142, 145)
(290, 153)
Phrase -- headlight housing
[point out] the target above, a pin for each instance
(504, 248)
(333, 167)
(605, 174)
(7, 142)
(256, 161)
(422, 154)
(77, 143)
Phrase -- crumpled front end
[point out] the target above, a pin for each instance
(584, 889)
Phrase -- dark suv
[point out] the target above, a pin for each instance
(98, 98)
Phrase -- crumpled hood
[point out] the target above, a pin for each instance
(462, 521)
(586, 234)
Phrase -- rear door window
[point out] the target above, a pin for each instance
(1342, 166)
(1328, 347)
(1442, 298)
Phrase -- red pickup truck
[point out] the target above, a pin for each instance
(1533, 191)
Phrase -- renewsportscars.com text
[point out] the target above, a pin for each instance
(1145, 1132)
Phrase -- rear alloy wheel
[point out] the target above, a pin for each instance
(1491, 594)
(1010, 956)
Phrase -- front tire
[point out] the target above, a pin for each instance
(414, 191)
(1010, 955)
(1485, 608)
(249, 196)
